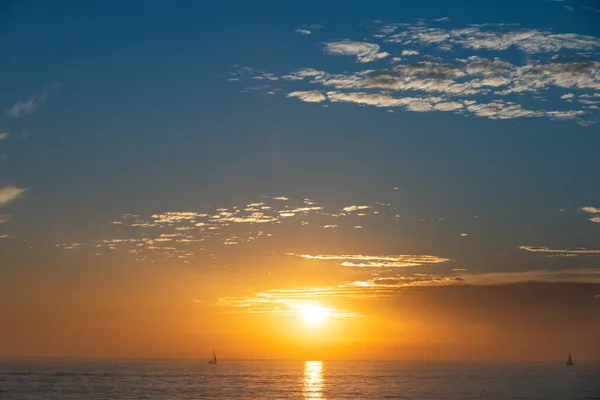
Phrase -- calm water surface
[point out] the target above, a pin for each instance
(178, 380)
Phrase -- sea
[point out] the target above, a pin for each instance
(44, 379)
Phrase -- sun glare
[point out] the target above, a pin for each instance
(313, 314)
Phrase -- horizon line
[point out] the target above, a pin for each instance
(283, 359)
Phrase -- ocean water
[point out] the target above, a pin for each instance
(179, 380)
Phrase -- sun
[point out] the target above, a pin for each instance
(313, 314)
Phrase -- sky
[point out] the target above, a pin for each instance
(301, 180)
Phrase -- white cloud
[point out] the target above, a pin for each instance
(471, 85)
(25, 107)
(3, 135)
(311, 96)
(301, 74)
(410, 52)
(303, 31)
(494, 37)
(364, 52)
(9, 194)
(591, 210)
(377, 100)
(500, 110)
(448, 106)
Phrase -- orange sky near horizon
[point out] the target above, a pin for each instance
(110, 311)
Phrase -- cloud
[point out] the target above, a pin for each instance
(303, 31)
(362, 261)
(302, 73)
(283, 302)
(410, 52)
(503, 278)
(540, 249)
(377, 100)
(3, 135)
(364, 52)
(498, 37)
(26, 107)
(312, 96)
(595, 219)
(9, 194)
(186, 235)
(487, 87)
(354, 208)
(4, 218)
(448, 106)
(591, 210)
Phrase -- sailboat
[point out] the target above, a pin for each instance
(214, 359)
(570, 360)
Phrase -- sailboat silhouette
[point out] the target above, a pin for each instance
(214, 359)
(570, 360)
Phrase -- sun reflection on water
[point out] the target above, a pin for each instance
(313, 380)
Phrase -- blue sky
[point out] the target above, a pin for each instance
(115, 109)
(196, 134)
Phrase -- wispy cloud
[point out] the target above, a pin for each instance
(565, 275)
(364, 52)
(303, 31)
(26, 107)
(185, 235)
(194, 300)
(395, 261)
(3, 135)
(284, 302)
(311, 96)
(10, 193)
(540, 249)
